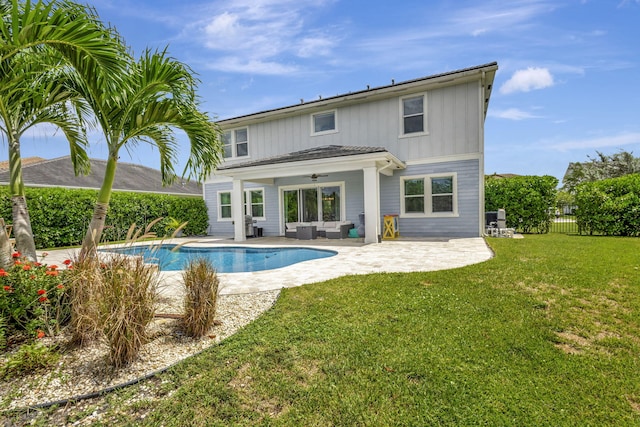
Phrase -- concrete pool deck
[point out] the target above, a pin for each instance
(354, 257)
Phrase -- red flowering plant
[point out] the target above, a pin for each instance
(33, 297)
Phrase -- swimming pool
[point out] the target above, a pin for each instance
(228, 259)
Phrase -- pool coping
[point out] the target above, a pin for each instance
(353, 257)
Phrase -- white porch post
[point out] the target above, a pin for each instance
(237, 210)
(371, 204)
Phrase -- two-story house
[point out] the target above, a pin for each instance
(414, 149)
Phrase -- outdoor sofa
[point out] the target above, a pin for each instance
(328, 229)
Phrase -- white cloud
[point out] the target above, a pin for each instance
(235, 64)
(620, 140)
(499, 16)
(512, 114)
(262, 36)
(527, 80)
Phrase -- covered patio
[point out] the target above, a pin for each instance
(301, 168)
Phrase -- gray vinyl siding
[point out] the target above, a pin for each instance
(466, 224)
(353, 197)
(453, 127)
(226, 228)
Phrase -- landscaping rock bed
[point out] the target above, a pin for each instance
(84, 372)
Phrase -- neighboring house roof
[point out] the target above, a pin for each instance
(502, 175)
(4, 165)
(129, 177)
(394, 89)
(316, 153)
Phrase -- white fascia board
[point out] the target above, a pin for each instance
(444, 159)
(328, 165)
(397, 89)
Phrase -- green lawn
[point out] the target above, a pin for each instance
(546, 333)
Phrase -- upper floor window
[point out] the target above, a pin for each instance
(431, 195)
(235, 143)
(413, 115)
(324, 122)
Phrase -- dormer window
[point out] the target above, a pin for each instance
(324, 122)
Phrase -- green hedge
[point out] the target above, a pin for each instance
(610, 206)
(60, 217)
(528, 201)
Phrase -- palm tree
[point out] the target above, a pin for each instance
(34, 93)
(155, 96)
(32, 38)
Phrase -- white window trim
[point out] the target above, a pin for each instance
(424, 116)
(234, 143)
(246, 193)
(283, 188)
(247, 202)
(219, 205)
(428, 202)
(326, 132)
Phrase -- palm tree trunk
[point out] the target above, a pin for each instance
(94, 232)
(6, 261)
(22, 228)
(25, 243)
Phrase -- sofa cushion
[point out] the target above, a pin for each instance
(291, 225)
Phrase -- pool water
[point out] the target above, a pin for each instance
(229, 259)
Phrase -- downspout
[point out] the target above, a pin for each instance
(481, 157)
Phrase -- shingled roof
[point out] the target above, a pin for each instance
(129, 177)
(324, 152)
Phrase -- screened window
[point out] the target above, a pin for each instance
(433, 195)
(413, 115)
(324, 122)
(236, 143)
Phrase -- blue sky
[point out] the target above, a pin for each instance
(568, 83)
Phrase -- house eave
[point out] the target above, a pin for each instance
(485, 73)
(385, 162)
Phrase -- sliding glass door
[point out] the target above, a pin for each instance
(312, 204)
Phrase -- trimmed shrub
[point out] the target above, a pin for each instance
(529, 201)
(60, 217)
(200, 295)
(610, 206)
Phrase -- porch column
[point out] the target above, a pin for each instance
(237, 210)
(371, 204)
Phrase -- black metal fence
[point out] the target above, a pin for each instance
(564, 224)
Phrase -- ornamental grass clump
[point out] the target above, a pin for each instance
(126, 300)
(83, 282)
(201, 293)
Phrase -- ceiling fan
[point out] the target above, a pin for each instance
(314, 177)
